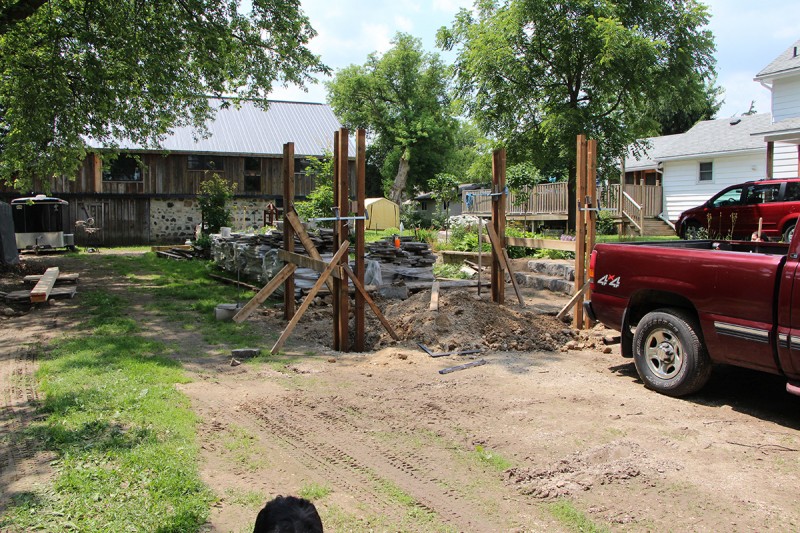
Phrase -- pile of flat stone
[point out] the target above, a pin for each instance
(412, 260)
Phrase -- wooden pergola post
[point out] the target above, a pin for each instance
(361, 172)
(498, 222)
(580, 230)
(341, 299)
(591, 216)
(287, 171)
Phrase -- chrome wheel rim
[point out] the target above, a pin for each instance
(663, 353)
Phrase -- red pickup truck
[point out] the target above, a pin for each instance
(682, 306)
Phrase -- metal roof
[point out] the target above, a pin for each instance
(706, 138)
(250, 130)
(783, 64)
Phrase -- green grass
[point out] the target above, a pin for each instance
(314, 492)
(574, 520)
(123, 436)
(492, 459)
(183, 293)
(251, 499)
(243, 449)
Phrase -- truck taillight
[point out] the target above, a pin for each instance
(592, 261)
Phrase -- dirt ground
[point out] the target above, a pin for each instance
(399, 446)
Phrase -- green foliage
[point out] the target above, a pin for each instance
(410, 216)
(215, 191)
(401, 97)
(605, 223)
(493, 459)
(574, 520)
(537, 73)
(127, 70)
(314, 491)
(444, 188)
(448, 271)
(319, 202)
(547, 253)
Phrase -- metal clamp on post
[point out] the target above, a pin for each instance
(337, 218)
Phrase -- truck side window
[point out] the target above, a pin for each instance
(792, 191)
(728, 198)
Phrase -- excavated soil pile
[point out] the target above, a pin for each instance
(465, 322)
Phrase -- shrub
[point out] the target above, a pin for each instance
(215, 192)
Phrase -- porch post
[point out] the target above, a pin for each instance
(770, 158)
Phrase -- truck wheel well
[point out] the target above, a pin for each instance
(644, 302)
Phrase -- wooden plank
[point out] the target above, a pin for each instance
(310, 298)
(308, 244)
(264, 293)
(63, 277)
(591, 216)
(371, 302)
(513, 279)
(572, 301)
(580, 224)
(342, 235)
(550, 244)
(498, 224)
(170, 255)
(168, 248)
(234, 282)
(317, 265)
(434, 296)
(63, 292)
(41, 292)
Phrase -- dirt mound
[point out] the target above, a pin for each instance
(610, 463)
(464, 321)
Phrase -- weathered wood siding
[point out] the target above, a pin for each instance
(120, 221)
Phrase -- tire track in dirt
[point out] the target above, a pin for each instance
(353, 456)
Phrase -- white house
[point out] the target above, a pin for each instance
(782, 78)
(713, 154)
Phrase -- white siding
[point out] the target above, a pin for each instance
(786, 98)
(682, 191)
(784, 164)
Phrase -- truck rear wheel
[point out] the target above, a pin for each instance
(668, 353)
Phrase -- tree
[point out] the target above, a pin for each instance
(132, 70)
(215, 192)
(444, 189)
(401, 98)
(319, 202)
(536, 73)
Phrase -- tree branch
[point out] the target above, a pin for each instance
(16, 13)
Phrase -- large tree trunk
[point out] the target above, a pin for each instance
(396, 192)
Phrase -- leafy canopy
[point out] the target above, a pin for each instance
(133, 69)
(536, 73)
(401, 98)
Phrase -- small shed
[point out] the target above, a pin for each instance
(382, 213)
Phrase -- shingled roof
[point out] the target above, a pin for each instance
(787, 62)
(251, 130)
(706, 138)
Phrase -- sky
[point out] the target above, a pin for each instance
(749, 35)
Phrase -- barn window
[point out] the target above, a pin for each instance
(252, 174)
(206, 162)
(123, 168)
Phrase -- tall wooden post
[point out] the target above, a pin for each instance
(287, 171)
(580, 229)
(591, 216)
(771, 158)
(342, 234)
(361, 172)
(498, 222)
(335, 292)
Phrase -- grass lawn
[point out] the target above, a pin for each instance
(122, 436)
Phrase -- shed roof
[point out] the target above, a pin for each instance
(250, 130)
(706, 138)
(785, 63)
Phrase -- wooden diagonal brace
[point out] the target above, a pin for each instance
(502, 257)
(370, 301)
(264, 293)
(323, 278)
(302, 234)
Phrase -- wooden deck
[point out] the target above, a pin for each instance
(631, 205)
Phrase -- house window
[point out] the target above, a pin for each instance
(300, 167)
(706, 172)
(206, 162)
(123, 168)
(252, 174)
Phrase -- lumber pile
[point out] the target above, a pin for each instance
(46, 286)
